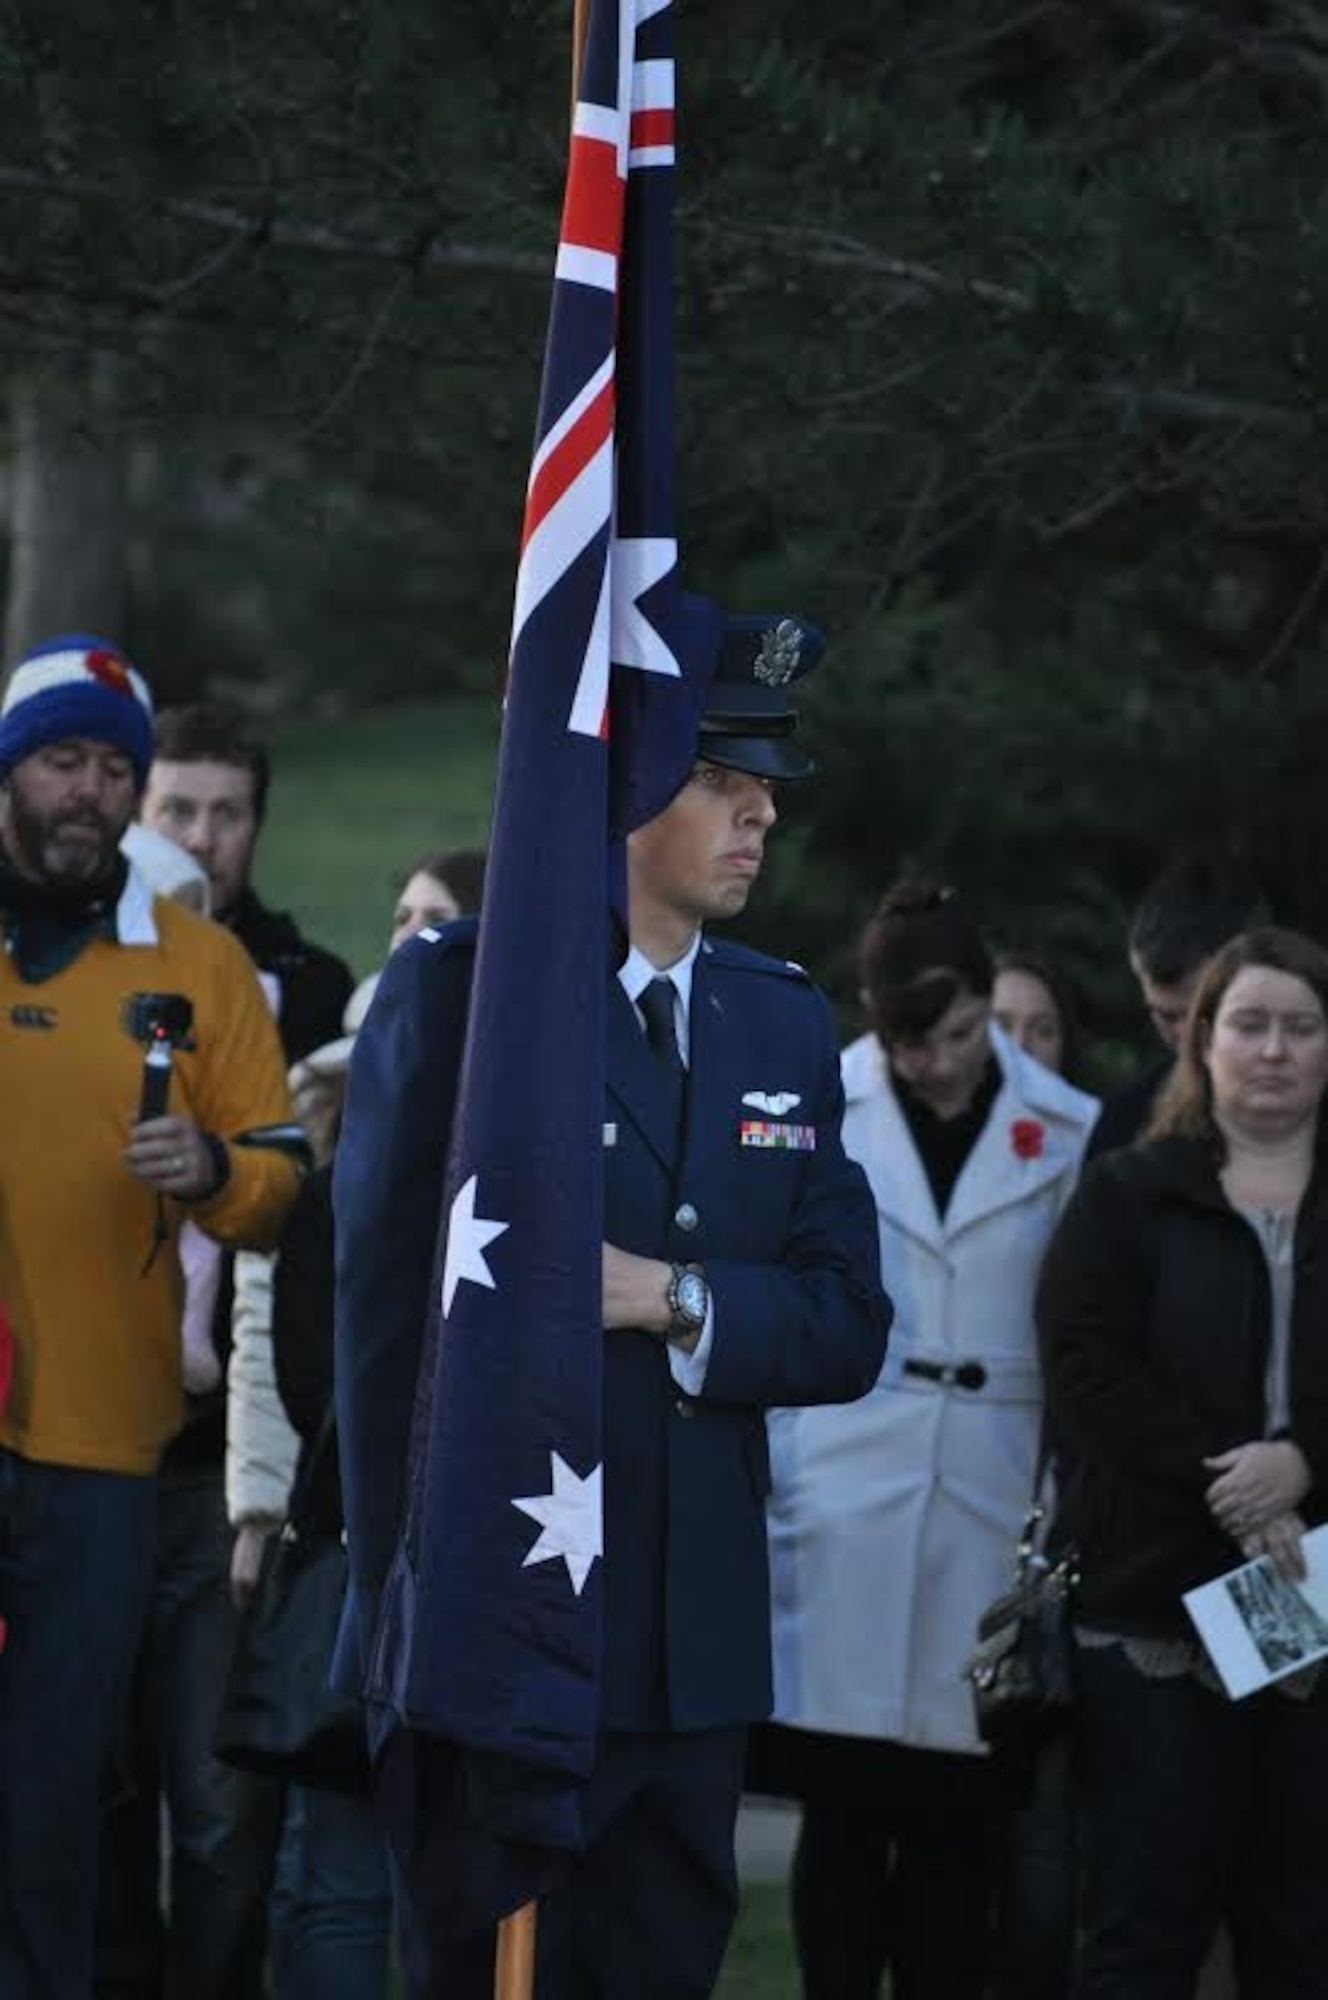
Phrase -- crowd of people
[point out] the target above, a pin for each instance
(956, 1271)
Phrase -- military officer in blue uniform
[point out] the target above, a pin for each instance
(740, 1272)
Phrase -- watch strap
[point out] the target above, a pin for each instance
(683, 1323)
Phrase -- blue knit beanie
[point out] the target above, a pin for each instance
(76, 685)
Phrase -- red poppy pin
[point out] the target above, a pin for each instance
(1026, 1138)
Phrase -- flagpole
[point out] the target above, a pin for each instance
(514, 1966)
(580, 25)
(514, 1963)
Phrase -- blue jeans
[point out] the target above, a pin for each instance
(1197, 1809)
(332, 1902)
(1037, 1883)
(223, 1822)
(76, 1559)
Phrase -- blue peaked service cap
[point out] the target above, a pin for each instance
(747, 723)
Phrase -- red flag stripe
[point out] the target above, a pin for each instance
(569, 457)
(593, 212)
(653, 128)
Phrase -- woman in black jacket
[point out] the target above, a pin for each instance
(1184, 1317)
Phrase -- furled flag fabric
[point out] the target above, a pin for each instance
(493, 1612)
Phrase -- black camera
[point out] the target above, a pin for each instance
(161, 1021)
(158, 1017)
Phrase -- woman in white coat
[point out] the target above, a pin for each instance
(893, 1520)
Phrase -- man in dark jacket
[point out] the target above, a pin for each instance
(1186, 914)
(207, 791)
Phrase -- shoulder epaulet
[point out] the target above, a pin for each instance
(425, 955)
(457, 935)
(426, 963)
(741, 958)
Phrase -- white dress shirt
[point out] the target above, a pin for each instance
(634, 975)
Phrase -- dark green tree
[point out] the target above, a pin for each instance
(1002, 348)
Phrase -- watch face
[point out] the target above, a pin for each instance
(693, 1297)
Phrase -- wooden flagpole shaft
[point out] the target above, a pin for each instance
(514, 1963)
(514, 1966)
(580, 24)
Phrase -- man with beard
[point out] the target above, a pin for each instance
(102, 986)
(207, 791)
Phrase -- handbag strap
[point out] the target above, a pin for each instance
(312, 1461)
(1035, 1518)
(1029, 1556)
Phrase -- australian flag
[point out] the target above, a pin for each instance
(608, 658)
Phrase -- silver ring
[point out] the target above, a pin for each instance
(178, 1163)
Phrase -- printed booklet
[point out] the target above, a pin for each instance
(1257, 1627)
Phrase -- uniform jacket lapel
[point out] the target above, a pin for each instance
(713, 1063)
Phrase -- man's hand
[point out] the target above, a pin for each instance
(1256, 1483)
(251, 1539)
(636, 1293)
(171, 1154)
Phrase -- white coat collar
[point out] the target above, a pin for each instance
(134, 920)
(1035, 1132)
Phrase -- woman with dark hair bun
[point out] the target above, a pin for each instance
(1184, 1316)
(893, 1520)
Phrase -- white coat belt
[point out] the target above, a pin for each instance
(972, 1378)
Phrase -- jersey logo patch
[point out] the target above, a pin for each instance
(27, 1016)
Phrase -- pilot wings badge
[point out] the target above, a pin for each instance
(773, 1102)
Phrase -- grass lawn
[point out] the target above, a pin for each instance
(759, 1965)
(355, 799)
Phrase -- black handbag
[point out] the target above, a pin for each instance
(278, 1714)
(1022, 1669)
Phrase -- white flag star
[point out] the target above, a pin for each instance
(621, 631)
(639, 563)
(467, 1234)
(571, 1519)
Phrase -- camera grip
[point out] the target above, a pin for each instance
(156, 1081)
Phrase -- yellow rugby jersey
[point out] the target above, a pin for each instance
(96, 1316)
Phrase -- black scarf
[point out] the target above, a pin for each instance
(944, 1144)
(46, 928)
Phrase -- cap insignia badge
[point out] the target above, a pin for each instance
(780, 651)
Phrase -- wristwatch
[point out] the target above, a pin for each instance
(688, 1301)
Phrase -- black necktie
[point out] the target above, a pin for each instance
(656, 1004)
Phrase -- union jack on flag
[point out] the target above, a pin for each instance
(600, 498)
(495, 1631)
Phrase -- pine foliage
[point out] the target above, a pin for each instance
(1003, 340)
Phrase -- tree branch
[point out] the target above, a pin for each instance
(425, 249)
(825, 252)
(269, 226)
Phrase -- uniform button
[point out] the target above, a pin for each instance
(686, 1216)
(682, 1405)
